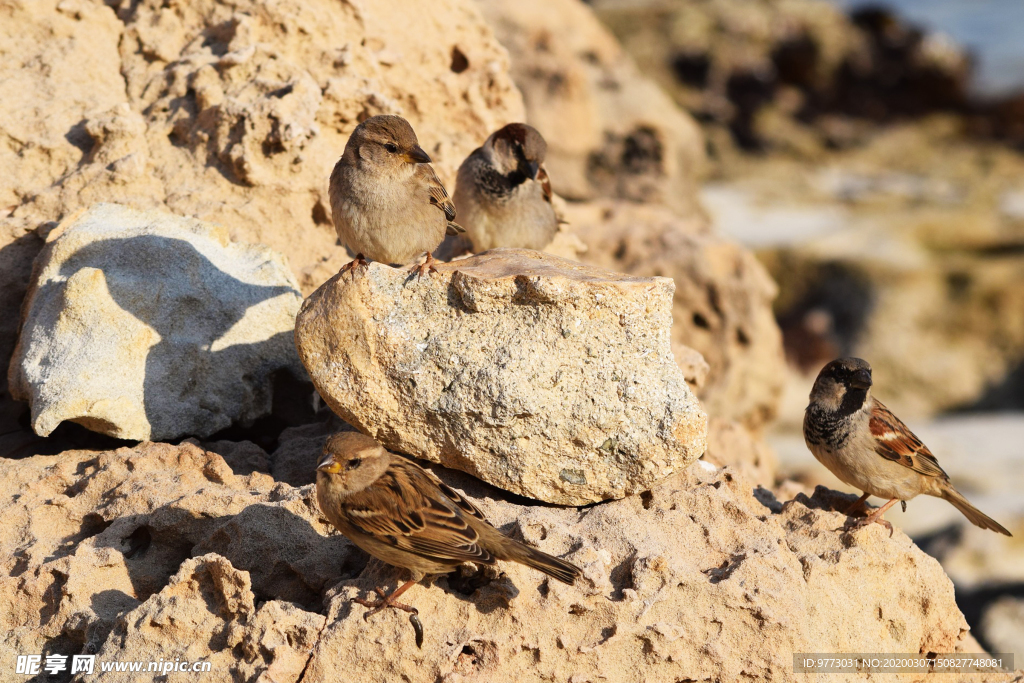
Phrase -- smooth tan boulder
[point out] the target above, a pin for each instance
(542, 376)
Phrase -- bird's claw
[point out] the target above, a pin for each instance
(358, 263)
(861, 523)
(383, 602)
(425, 268)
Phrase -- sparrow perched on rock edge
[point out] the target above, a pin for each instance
(403, 515)
(856, 437)
(503, 193)
(386, 200)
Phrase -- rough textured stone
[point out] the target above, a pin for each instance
(233, 113)
(610, 130)
(671, 592)
(539, 375)
(730, 444)
(143, 325)
(90, 536)
(722, 305)
(207, 613)
(113, 553)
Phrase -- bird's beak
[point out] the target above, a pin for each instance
(861, 379)
(416, 155)
(327, 464)
(532, 168)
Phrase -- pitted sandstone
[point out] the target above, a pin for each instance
(542, 376)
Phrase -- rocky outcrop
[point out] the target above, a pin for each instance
(160, 551)
(90, 537)
(207, 613)
(611, 131)
(539, 375)
(143, 325)
(235, 113)
(730, 444)
(722, 306)
(232, 113)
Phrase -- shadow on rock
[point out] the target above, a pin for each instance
(194, 371)
(287, 559)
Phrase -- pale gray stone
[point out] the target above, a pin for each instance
(145, 325)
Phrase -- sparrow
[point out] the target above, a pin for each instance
(503, 192)
(403, 515)
(856, 437)
(387, 203)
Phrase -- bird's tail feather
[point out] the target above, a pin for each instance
(976, 516)
(554, 567)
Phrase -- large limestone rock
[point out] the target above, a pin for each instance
(539, 375)
(143, 325)
(161, 551)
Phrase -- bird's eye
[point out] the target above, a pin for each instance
(353, 463)
(391, 147)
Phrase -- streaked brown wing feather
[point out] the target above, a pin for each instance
(894, 441)
(406, 509)
(438, 195)
(545, 183)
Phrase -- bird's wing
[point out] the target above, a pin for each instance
(894, 441)
(438, 195)
(545, 183)
(410, 510)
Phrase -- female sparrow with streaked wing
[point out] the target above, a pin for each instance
(503, 193)
(386, 200)
(856, 437)
(403, 515)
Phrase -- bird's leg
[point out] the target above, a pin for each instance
(385, 600)
(876, 516)
(856, 505)
(426, 267)
(358, 262)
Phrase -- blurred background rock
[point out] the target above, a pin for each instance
(870, 154)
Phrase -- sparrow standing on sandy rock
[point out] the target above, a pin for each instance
(398, 512)
(866, 446)
(387, 202)
(503, 193)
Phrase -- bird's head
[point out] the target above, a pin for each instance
(387, 142)
(517, 147)
(842, 385)
(350, 463)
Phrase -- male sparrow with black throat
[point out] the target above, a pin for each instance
(856, 437)
(503, 193)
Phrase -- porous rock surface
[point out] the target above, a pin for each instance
(542, 376)
(160, 551)
(144, 325)
(722, 306)
(233, 113)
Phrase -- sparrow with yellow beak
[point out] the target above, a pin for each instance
(403, 515)
(387, 203)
